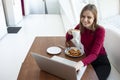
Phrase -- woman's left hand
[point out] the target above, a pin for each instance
(79, 65)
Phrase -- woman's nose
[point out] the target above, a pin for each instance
(85, 19)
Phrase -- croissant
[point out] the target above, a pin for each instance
(74, 52)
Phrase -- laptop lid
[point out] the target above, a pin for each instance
(56, 68)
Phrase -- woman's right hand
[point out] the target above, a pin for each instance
(70, 31)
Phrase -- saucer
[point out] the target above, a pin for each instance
(53, 50)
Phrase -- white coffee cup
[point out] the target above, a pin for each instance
(77, 39)
(76, 33)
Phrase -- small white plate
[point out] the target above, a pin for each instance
(53, 50)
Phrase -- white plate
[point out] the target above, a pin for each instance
(54, 50)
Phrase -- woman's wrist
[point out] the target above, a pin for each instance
(81, 63)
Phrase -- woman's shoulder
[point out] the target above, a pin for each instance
(100, 29)
(77, 26)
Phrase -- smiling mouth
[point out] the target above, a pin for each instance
(85, 23)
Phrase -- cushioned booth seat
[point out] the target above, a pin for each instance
(112, 45)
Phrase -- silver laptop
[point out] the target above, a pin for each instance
(59, 66)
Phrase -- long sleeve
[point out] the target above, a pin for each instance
(93, 45)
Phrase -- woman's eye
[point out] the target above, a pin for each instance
(83, 16)
(89, 17)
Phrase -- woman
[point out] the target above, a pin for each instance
(92, 38)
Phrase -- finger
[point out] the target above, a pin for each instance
(67, 44)
(70, 31)
(77, 69)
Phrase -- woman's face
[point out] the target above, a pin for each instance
(87, 19)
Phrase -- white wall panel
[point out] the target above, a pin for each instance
(13, 12)
(67, 14)
(3, 28)
(52, 6)
(36, 7)
(109, 8)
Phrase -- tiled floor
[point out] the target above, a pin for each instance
(14, 47)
